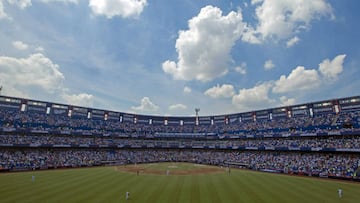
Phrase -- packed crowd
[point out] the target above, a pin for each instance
(300, 124)
(334, 142)
(22, 134)
(343, 165)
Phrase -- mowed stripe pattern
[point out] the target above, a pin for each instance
(107, 184)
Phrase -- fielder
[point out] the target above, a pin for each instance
(340, 193)
(127, 195)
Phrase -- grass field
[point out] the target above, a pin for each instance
(109, 184)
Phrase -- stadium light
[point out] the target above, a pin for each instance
(197, 111)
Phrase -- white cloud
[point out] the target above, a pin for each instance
(253, 98)
(23, 4)
(251, 35)
(39, 49)
(82, 99)
(20, 45)
(64, 1)
(204, 49)
(3, 15)
(281, 19)
(291, 42)
(175, 107)
(268, 65)
(285, 101)
(299, 79)
(187, 89)
(20, 3)
(331, 69)
(218, 91)
(241, 69)
(26, 3)
(26, 77)
(256, 1)
(123, 8)
(36, 70)
(145, 105)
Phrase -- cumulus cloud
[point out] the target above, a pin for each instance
(108, 8)
(331, 69)
(285, 101)
(145, 105)
(175, 107)
(241, 69)
(20, 45)
(281, 19)
(251, 35)
(218, 91)
(291, 42)
(204, 49)
(255, 97)
(81, 99)
(299, 79)
(187, 89)
(268, 65)
(24, 77)
(36, 70)
(122, 8)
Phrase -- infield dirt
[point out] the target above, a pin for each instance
(201, 169)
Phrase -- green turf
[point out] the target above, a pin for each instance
(171, 166)
(107, 184)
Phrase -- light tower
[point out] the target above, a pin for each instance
(197, 112)
(197, 116)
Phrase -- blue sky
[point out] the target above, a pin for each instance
(169, 57)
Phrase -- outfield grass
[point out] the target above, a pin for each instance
(107, 184)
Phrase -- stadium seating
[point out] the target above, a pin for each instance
(317, 139)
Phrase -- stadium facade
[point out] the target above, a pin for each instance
(316, 139)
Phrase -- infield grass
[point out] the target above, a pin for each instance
(108, 184)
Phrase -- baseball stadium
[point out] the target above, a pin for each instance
(53, 152)
(181, 101)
